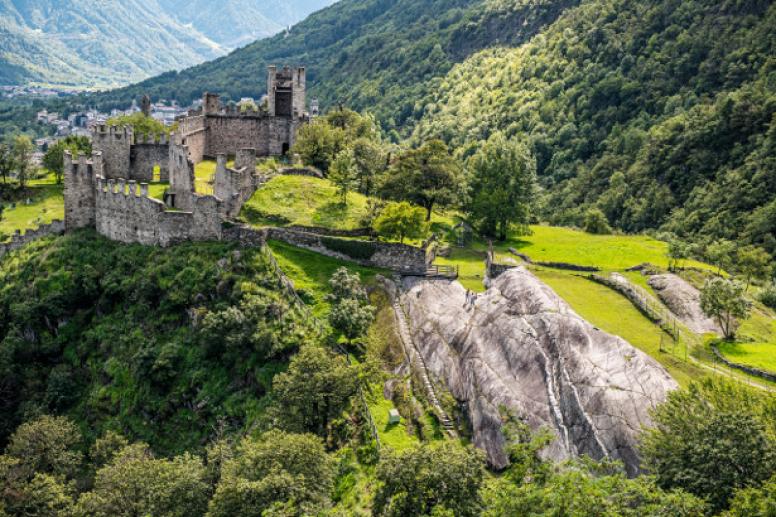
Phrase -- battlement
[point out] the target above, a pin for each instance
(151, 139)
(105, 131)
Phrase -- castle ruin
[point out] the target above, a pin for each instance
(110, 190)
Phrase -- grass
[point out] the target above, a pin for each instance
(613, 313)
(46, 204)
(311, 271)
(607, 252)
(394, 436)
(471, 267)
(756, 342)
(306, 201)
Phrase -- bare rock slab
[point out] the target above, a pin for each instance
(520, 347)
(684, 300)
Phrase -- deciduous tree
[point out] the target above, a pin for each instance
(401, 221)
(503, 185)
(430, 480)
(725, 301)
(344, 173)
(711, 439)
(428, 176)
(316, 388)
(276, 471)
(753, 263)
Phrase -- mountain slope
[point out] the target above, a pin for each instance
(89, 42)
(381, 55)
(96, 43)
(238, 22)
(661, 114)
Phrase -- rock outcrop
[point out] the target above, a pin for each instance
(684, 301)
(520, 347)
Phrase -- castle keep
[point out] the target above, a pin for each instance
(110, 190)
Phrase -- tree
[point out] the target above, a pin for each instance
(47, 445)
(503, 185)
(596, 222)
(427, 176)
(430, 480)
(142, 125)
(720, 253)
(753, 263)
(135, 483)
(711, 439)
(6, 162)
(400, 221)
(751, 502)
(344, 174)
(351, 312)
(316, 388)
(725, 301)
(276, 470)
(22, 158)
(677, 252)
(370, 161)
(318, 143)
(54, 159)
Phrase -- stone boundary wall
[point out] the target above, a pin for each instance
(652, 309)
(401, 258)
(358, 232)
(55, 227)
(746, 369)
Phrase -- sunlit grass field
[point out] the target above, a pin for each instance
(46, 204)
(613, 313)
(756, 342)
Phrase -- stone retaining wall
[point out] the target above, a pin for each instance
(401, 258)
(55, 227)
(746, 369)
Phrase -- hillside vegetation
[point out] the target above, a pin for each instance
(137, 339)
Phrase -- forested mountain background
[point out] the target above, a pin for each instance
(99, 43)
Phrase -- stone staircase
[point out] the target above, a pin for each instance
(418, 364)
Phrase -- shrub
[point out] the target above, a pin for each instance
(768, 295)
(359, 250)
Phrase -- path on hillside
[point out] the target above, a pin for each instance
(416, 362)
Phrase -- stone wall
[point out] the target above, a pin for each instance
(227, 134)
(182, 184)
(126, 214)
(55, 227)
(114, 143)
(394, 256)
(147, 154)
(192, 133)
(746, 369)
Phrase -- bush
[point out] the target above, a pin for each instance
(359, 250)
(596, 222)
(768, 295)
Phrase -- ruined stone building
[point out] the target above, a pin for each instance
(109, 191)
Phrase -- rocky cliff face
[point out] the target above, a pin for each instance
(520, 347)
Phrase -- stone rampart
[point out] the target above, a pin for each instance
(126, 214)
(55, 227)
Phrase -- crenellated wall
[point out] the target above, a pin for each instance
(55, 227)
(125, 213)
(79, 189)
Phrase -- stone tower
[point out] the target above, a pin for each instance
(145, 105)
(80, 190)
(211, 104)
(114, 143)
(286, 91)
